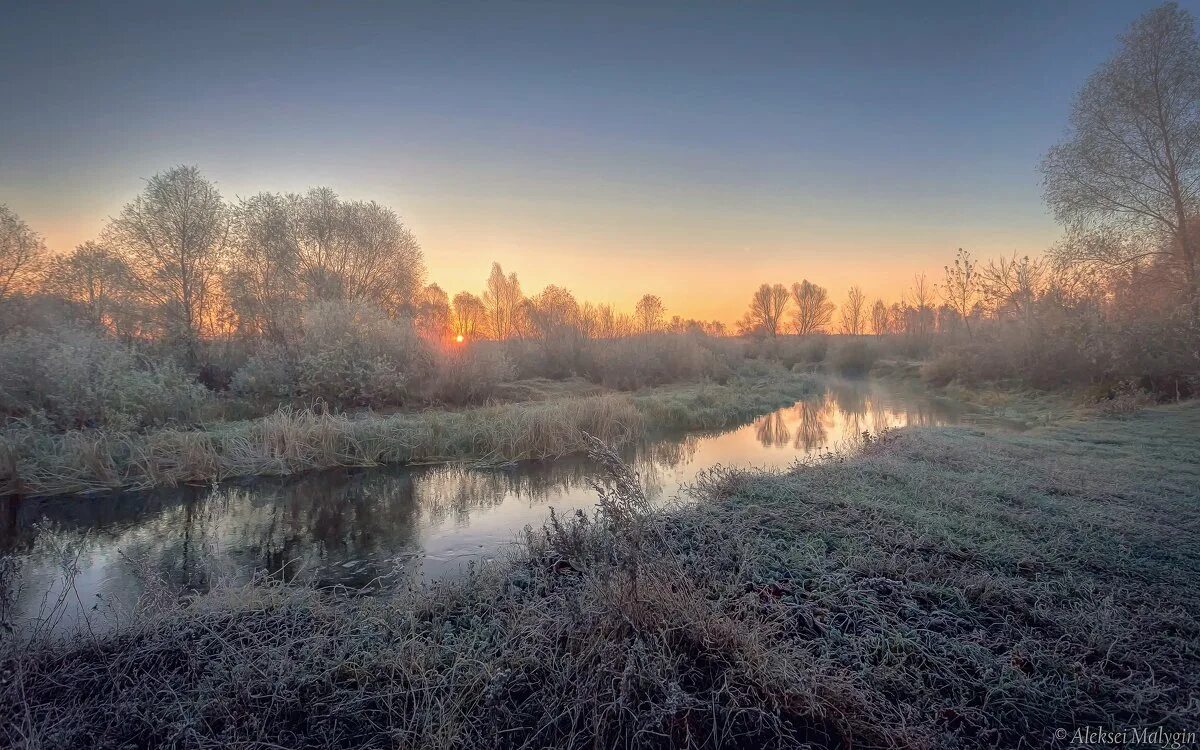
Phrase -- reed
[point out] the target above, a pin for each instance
(296, 440)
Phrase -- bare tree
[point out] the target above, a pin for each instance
(432, 314)
(766, 310)
(1131, 165)
(22, 255)
(813, 310)
(173, 237)
(609, 324)
(554, 311)
(880, 318)
(1011, 287)
(961, 287)
(854, 314)
(503, 299)
(95, 279)
(470, 315)
(649, 313)
(920, 318)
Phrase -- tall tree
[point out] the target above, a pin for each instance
(813, 310)
(95, 279)
(503, 300)
(766, 310)
(356, 250)
(1131, 164)
(920, 318)
(961, 287)
(649, 313)
(1011, 287)
(554, 311)
(263, 281)
(173, 237)
(22, 254)
(880, 318)
(854, 312)
(432, 314)
(470, 315)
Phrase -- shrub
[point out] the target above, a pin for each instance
(269, 375)
(75, 378)
(349, 354)
(972, 364)
(470, 373)
(1124, 399)
(791, 350)
(657, 359)
(943, 369)
(853, 357)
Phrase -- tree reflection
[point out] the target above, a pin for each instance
(810, 429)
(771, 431)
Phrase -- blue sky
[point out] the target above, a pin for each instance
(693, 149)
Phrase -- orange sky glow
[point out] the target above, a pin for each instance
(703, 260)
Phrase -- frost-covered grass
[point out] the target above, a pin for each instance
(34, 461)
(945, 587)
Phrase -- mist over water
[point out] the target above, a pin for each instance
(377, 529)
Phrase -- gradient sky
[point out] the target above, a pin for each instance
(690, 149)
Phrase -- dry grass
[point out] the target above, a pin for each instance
(943, 588)
(36, 462)
(291, 441)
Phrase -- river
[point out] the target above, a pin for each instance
(371, 529)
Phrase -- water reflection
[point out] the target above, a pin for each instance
(374, 528)
(847, 409)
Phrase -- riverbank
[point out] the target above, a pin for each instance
(290, 441)
(1006, 403)
(946, 587)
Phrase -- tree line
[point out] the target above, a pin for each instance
(181, 264)
(1119, 295)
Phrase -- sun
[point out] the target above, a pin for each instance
(459, 338)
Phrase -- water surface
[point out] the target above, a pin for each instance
(372, 529)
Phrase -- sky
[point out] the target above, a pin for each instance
(694, 150)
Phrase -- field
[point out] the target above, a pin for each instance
(948, 587)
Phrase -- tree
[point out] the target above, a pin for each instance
(648, 313)
(854, 316)
(22, 254)
(608, 324)
(554, 311)
(813, 310)
(920, 318)
(502, 298)
(880, 318)
(356, 251)
(1011, 287)
(470, 315)
(766, 310)
(173, 237)
(262, 283)
(1131, 165)
(432, 314)
(961, 287)
(95, 279)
